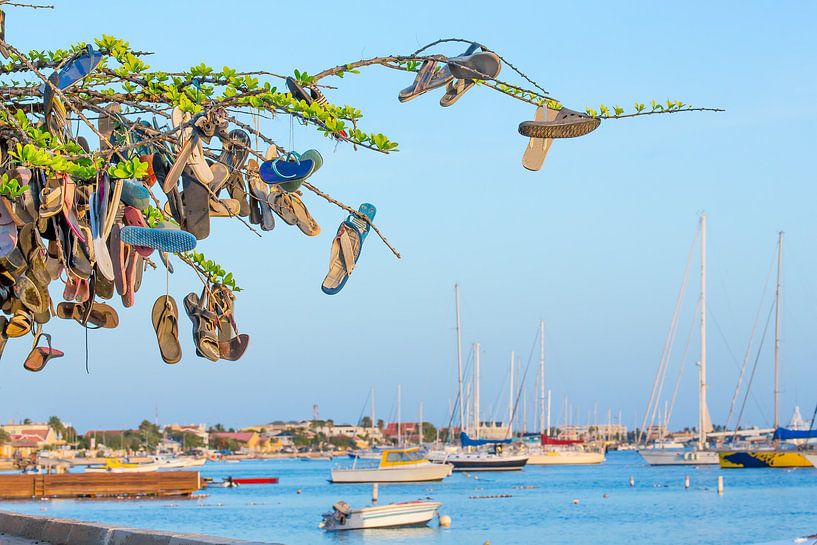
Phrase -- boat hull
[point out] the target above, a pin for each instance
(812, 458)
(498, 463)
(659, 457)
(735, 459)
(564, 458)
(424, 473)
(393, 515)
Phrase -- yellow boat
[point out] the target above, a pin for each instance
(762, 458)
(115, 465)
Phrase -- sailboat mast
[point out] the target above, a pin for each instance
(459, 358)
(399, 423)
(420, 431)
(702, 406)
(510, 398)
(547, 430)
(777, 331)
(477, 421)
(374, 422)
(541, 377)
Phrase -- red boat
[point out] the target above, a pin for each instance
(256, 480)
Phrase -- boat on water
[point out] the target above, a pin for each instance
(812, 458)
(674, 454)
(493, 459)
(406, 465)
(569, 455)
(772, 458)
(392, 515)
(179, 462)
(485, 461)
(366, 454)
(115, 465)
(776, 453)
(682, 457)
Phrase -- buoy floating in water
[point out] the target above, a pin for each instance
(632, 481)
(575, 502)
(445, 521)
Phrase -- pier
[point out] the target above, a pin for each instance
(100, 485)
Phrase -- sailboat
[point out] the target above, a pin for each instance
(700, 454)
(772, 455)
(466, 458)
(553, 451)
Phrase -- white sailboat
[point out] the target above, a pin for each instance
(550, 454)
(700, 454)
(463, 458)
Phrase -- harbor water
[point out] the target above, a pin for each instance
(553, 505)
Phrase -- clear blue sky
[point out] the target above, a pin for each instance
(595, 243)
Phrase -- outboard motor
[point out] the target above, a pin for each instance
(342, 510)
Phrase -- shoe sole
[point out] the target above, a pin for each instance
(534, 129)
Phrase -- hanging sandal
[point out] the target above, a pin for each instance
(20, 324)
(566, 124)
(538, 148)
(41, 355)
(204, 329)
(232, 344)
(306, 223)
(100, 315)
(346, 248)
(165, 317)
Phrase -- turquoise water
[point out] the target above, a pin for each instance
(758, 505)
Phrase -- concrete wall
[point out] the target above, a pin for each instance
(72, 532)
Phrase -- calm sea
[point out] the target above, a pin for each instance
(758, 505)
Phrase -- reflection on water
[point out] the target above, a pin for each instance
(758, 505)
(384, 535)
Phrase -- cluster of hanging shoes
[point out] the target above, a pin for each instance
(97, 236)
(459, 74)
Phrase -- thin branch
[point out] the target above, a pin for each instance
(354, 212)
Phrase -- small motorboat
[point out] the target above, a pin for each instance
(113, 465)
(406, 465)
(255, 480)
(392, 515)
(221, 484)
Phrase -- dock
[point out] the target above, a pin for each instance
(100, 485)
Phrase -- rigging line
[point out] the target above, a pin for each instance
(660, 374)
(752, 374)
(722, 335)
(524, 378)
(729, 349)
(748, 352)
(683, 365)
(455, 406)
(363, 408)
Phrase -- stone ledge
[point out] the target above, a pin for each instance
(55, 531)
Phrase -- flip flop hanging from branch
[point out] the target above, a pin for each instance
(97, 216)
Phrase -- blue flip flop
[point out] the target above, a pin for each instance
(346, 249)
(166, 237)
(314, 156)
(77, 68)
(135, 194)
(289, 168)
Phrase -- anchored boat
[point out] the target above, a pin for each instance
(405, 465)
(392, 515)
(114, 465)
(773, 454)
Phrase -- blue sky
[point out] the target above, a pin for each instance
(595, 243)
